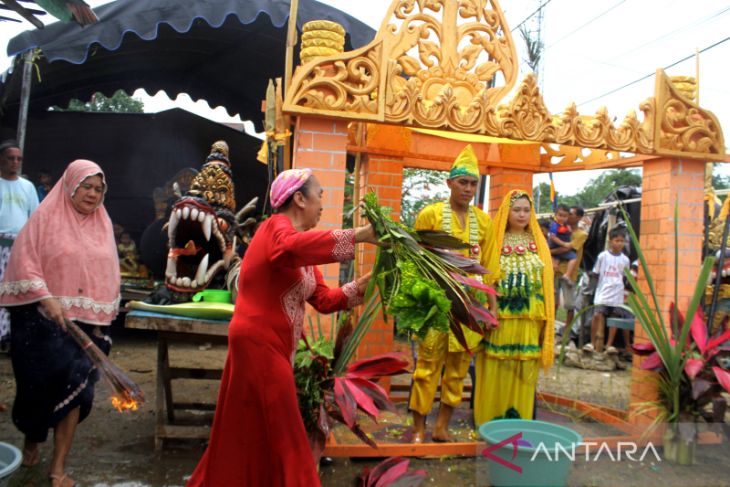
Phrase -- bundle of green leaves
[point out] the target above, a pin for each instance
(422, 281)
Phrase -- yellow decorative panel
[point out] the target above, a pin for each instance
(448, 64)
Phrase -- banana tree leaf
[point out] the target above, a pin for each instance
(376, 393)
(346, 403)
(723, 377)
(441, 240)
(392, 363)
(471, 282)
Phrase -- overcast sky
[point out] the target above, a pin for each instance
(597, 53)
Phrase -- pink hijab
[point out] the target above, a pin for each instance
(67, 255)
(286, 184)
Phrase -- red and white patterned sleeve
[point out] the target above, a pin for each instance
(328, 300)
(292, 248)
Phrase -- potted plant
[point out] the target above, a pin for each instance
(680, 351)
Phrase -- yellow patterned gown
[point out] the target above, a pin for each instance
(508, 363)
(512, 354)
(441, 351)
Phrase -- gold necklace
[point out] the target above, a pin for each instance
(513, 239)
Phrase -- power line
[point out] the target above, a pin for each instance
(692, 25)
(587, 23)
(531, 15)
(652, 74)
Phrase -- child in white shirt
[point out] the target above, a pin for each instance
(609, 295)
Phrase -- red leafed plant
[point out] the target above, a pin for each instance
(391, 472)
(704, 379)
(328, 394)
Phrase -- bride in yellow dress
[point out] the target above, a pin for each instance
(510, 356)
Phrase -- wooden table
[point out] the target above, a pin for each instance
(176, 329)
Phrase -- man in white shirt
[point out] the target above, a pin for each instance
(18, 199)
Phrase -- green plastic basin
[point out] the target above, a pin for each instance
(544, 454)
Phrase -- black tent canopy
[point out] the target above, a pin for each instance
(223, 51)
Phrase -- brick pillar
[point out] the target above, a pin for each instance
(385, 176)
(320, 144)
(667, 182)
(503, 180)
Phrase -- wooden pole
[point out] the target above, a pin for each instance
(24, 97)
(291, 41)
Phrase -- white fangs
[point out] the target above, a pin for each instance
(172, 225)
(194, 214)
(171, 270)
(185, 213)
(207, 226)
(202, 270)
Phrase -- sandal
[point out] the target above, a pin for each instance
(31, 458)
(62, 480)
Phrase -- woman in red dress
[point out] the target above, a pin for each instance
(258, 437)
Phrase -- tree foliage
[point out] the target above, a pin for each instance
(119, 102)
(421, 187)
(593, 193)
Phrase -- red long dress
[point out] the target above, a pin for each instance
(258, 437)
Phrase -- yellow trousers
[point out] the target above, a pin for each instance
(433, 357)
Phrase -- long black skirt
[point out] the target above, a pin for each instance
(53, 375)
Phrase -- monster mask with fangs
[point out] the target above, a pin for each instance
(203, 228)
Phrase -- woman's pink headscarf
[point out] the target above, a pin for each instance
(286, 184)
(67, 255)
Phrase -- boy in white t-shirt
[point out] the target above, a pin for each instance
(609, 295)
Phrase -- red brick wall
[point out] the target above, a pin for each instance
(502, 180)
(320, 144)
(667, 182)
(384, 176)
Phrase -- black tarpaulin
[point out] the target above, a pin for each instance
(222, 51)
(138, 152)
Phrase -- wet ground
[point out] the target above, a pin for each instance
(114, 449)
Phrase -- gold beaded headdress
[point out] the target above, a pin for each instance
(517, 194)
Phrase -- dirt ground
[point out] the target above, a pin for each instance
(115, 449)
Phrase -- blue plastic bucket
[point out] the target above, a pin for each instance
(10, 458)
(545, 452)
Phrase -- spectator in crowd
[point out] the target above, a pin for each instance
(609, 295)
(564, 292)
(18, 199)
(46, 183)
(559, 236)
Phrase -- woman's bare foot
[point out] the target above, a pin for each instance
(31, 456)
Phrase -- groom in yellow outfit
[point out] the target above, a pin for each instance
(441, 351)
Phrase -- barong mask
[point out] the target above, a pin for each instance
(202, 227)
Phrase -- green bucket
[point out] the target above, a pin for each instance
(545, 452)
